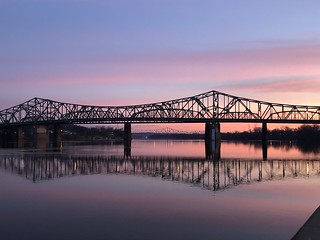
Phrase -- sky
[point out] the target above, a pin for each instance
(121, 52)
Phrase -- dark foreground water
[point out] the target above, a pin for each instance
(165, 190)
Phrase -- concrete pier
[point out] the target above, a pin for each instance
(127, 139)
(57, 135)
(311, 229)
(20, 137)
(40, 137)
(37, 136)
(9, 136)
(212, 140)
(264, 131)
(264, 141)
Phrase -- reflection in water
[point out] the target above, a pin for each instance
(303, 147)
(207, 174)
(189, 148)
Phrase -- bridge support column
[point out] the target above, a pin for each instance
(20, 133)
(3, 137)
(212, 140)
(20, 137)
(9, 136)
(264, 141)
(127, 139)
(57, 135)
(41, 136)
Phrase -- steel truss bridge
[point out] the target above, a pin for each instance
(210, 175)
(212, 106)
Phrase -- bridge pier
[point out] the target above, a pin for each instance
(264, 141)
(20, 137)
(57, 135)
(9, 136)
(212, 140)
(127, 139)
(40, 136)
(44, 136)
(4, 136)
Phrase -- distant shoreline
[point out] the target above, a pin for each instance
(305, 133)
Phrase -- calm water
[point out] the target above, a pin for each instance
(165, 190)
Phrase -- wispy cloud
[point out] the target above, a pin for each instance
(144, 78)
(265, 62)
(280, 84)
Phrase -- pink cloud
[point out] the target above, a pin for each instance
(248, 73)
(211, 66)
(298, 84)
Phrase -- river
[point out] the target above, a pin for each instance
(164, 190)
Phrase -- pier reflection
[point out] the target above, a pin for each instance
(207, 174)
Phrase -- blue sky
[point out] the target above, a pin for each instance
(129, 52)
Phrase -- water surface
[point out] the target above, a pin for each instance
(165, 190)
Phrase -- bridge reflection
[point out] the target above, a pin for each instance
(207, 174)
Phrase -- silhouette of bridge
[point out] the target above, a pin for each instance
(205, 107)
(211, 108)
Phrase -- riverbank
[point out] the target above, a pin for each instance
(311, 229)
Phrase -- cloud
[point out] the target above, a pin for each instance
(170, 67)
(306, 84)
(148, 78)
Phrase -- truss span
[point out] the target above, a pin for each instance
(212, 106)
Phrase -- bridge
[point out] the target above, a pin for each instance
(212, 108)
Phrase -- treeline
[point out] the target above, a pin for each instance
(76, 132)
(182, 136)
(304, 133)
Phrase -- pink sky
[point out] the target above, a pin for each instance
(124, 53)
(275, 74)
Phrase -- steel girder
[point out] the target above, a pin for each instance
(206, 107)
